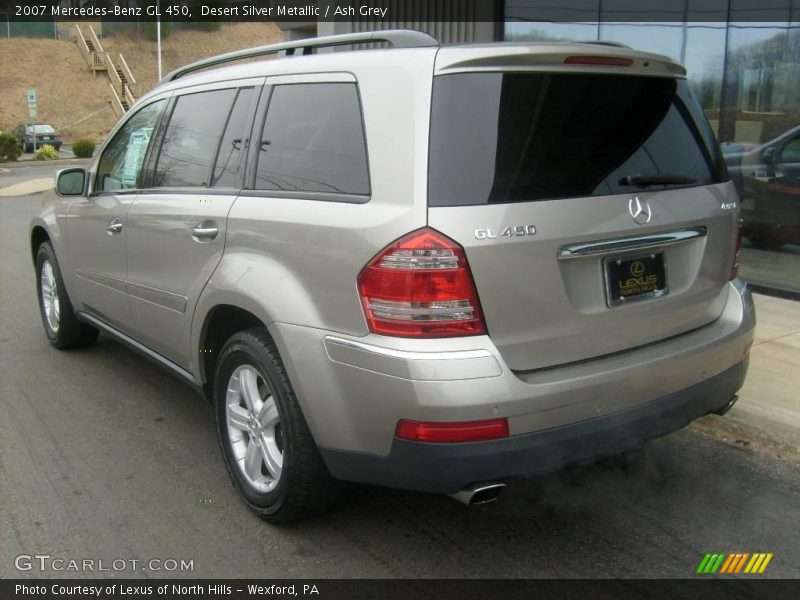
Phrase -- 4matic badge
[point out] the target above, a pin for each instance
(511, 231)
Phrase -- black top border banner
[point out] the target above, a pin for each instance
(405, 12)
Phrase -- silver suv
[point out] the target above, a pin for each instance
(422, 267)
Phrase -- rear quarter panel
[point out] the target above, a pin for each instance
(296, 261)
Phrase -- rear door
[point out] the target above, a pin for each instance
(176, 226)
(593, 208)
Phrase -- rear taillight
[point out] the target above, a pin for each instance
(737, 252)
(421, 286)
(470, 431)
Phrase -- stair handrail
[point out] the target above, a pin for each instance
(129, 76)
(112, 72)
(129, 97)
(83, 46)
(116, 103)
(98, 47)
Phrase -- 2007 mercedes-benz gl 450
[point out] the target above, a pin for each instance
(422, 267)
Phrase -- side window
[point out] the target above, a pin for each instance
(791, 152)
(192, 138)
(233, 141)
(313, 140)
(121, 163)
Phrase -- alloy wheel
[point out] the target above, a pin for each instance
(51, 303)
(254, 428)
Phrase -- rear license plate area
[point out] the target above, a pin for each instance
(631, 279)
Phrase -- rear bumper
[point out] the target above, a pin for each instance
(39, 143)
(447, 468)
(353, 391)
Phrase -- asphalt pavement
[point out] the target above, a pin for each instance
(105, 457)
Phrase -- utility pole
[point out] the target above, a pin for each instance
(158, 38)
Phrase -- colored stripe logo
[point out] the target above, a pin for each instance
(734, 563)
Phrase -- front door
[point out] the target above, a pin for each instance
(97, 224)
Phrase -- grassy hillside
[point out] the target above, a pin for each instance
(68, 91)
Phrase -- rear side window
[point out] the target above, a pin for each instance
(233, 141)
(313, 140)
(192, 138)
(790, 152)
(516, 137)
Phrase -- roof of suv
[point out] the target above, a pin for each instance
(595, 57)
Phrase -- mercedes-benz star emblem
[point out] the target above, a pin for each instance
(639, 210)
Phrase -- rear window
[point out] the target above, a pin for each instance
(517, 137)
(40, 129)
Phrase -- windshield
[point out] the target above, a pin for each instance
(516, 137)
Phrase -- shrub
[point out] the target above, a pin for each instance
(83, 148)
(195, 6)
(149, 30)
(9, 147)
(46, 152)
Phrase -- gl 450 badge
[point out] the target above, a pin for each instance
(510, 231)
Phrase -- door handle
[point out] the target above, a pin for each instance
(115, 226)
(205, 230)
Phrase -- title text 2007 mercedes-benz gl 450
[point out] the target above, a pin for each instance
(422, 267)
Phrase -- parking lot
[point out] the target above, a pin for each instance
(103, 456)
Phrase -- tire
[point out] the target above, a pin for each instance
(60, 324)
(268, 449)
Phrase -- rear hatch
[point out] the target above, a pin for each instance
(591, 201)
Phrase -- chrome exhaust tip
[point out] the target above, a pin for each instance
(727, 407)
(479, 493)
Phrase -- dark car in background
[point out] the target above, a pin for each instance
(768, 180)
(45, 134)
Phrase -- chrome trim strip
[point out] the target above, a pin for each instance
(141, 348)
(637, 242)
(105, 280)
(406, 354)
(162, 298)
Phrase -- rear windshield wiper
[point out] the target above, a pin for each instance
(640, 180)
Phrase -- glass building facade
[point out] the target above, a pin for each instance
(746, 75)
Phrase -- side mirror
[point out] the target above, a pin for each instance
(768, 156)
(71, 182)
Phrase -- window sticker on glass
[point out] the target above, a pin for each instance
(134, 155)
(121, 162)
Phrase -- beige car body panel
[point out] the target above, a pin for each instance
(293, 263)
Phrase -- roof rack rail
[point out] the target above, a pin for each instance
(606, 43)
(398, 38)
